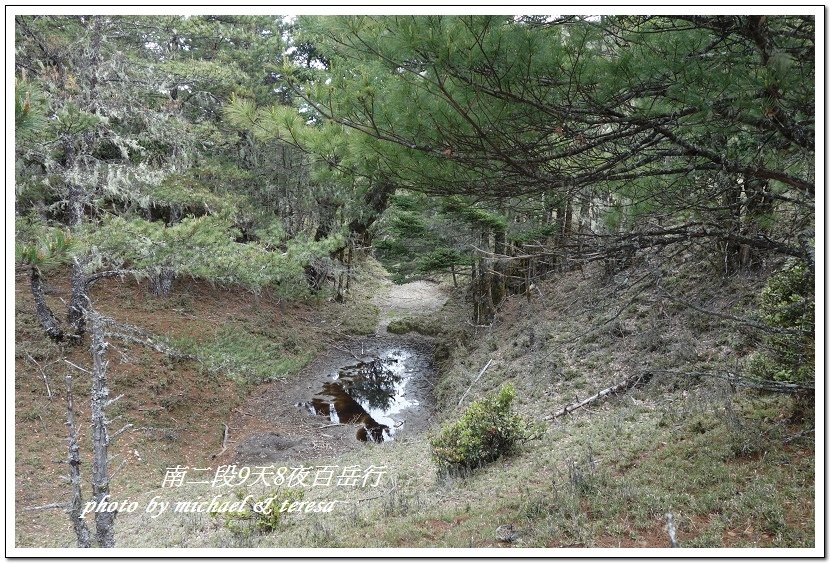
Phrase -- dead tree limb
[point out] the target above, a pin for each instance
(624, 385)
(76, 366)
(104, 520)
(42, 372)
(672, 531)
(385, 493)
(347, 351)
(123, 429)
(753, 323)
(799, 435)
(748, 382)
(330, 425)
(78, 297)
(47, 318)
(131, 333)
(475, 381)
(224, 442)
(91, 279)
(48, 506)
(117, 469)
(78, 523)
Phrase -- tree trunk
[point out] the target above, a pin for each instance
(44, 314)
(77, 280)
(501, 268)
(340, 282)
(568, 224)
(77, 195)
(476, 289)
(730, 248)
(316, 274)
(161, 282)
(483, 307)
(350, 257)
(376, 200)
(327, 212)
(758, 205)
(104, 520)
(563, 232)
(78, 298)
(491, 290)
(76, 504)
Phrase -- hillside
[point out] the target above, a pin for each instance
(734, 467)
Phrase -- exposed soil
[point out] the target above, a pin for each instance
(177, 410)
(409, 299)
(564, 344)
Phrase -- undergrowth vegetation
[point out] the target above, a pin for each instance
(734, 466)
(787, 305)
(246, 357)
(487, 430)
(256, 514)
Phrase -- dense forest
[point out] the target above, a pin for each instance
(637, 191)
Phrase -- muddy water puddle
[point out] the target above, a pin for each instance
(372, 389)
(384, 394)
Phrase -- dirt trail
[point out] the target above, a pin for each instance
(410, 299)
(272, 426)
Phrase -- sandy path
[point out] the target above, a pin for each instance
(409, 299)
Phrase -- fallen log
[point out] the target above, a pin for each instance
(614, 389)
(47, 506)
(224, 442)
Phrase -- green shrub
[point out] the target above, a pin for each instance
(261, 514)
(400, 326)
(487, 430)
(788, 303)
(424, 326)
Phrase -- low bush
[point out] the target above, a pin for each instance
(487, 430)
(788, 305)
(259, 515)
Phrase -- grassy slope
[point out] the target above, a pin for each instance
(177, 407)
(602, 477)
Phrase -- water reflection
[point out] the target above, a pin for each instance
(371, 384)
(368, 394)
